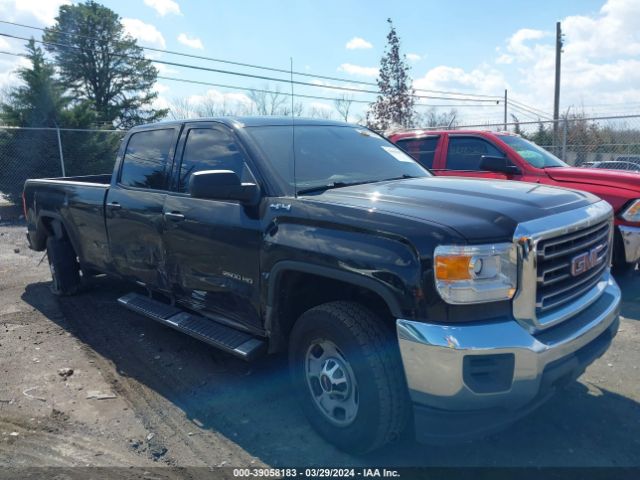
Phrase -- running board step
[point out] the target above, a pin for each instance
(240, 344)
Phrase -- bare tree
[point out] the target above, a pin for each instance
(298, 109)
(343, 106)
(271, 102)
(432, 118)
(319, 112)
(181, 108)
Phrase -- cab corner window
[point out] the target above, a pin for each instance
(145, 159)
(422, 150)
(210, 149)
(465, 153)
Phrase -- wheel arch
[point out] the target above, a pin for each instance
(295, 287)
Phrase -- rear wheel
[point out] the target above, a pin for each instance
(346, 369)
(65, 270)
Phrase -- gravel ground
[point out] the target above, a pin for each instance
(144, 395)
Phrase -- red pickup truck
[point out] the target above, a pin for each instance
(505, 156)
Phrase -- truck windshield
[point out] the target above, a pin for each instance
(533, 154)
(331, 156)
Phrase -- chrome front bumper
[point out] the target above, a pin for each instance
(631, 240)
(437, 358)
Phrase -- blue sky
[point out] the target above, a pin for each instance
(475, 47)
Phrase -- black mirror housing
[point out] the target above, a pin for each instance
(222, 185)
(492, 163)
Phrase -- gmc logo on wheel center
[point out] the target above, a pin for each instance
(587, 260)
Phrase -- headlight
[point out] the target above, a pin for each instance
(476, 273)
(632, 212)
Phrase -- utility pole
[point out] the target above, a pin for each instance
(505, 109)
(556, 95)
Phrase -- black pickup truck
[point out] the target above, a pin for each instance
(454, 304)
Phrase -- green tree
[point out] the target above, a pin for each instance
(40, 101)
(395, 103)
(101, 64)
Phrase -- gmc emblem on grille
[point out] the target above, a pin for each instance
(587, 260)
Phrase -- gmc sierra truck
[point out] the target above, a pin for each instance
(456, 305)
(505, 156)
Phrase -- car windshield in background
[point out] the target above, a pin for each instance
(533, 154)
(331, 156)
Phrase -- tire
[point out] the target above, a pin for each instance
(65, 270)
(367, 357)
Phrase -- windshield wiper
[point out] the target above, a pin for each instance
(328, 186)
(395, 178)
(332, 185)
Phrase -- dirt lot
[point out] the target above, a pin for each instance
(172, 400)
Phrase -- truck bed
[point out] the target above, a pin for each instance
(77, 202)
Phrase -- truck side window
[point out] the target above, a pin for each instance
(210, 149)
(144, 162)
(464, 153)
(421, 149)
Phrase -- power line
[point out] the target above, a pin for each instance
(535, 110)
(276, 92)
(246, 75)
(262, 67)
(297, 95)
(527, 111)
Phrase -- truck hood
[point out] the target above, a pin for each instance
(596, 176)
(479, 210)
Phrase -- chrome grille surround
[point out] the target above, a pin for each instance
(547, 298)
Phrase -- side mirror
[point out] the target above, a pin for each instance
(222, 185)
(498, 164)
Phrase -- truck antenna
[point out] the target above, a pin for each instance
(293, 131)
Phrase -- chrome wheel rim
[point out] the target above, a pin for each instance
(332, 383)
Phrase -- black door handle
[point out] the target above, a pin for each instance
(114, 206)
(174, 216)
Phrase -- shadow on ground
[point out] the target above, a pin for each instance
(253, 405)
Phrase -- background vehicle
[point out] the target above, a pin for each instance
(504, 156)
(459, 302)
(613, 165)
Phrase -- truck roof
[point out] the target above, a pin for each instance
(253, 121)
(418, 132)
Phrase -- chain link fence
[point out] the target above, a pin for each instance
(581, 141)
(50, 152)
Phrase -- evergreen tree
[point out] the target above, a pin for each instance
(103, 65)
(395, 103)
(40, 101)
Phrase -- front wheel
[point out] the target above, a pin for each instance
(346, 369)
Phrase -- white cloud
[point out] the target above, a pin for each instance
(43, 11)
(413, 57)
(145, 32)
(357, 43)
(483, 79)
(191, 42)
(358, 70)
(164, 7)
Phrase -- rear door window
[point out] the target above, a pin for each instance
(465, 153)
(423, 150)
(145, 160)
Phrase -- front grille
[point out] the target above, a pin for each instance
(556, 284)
